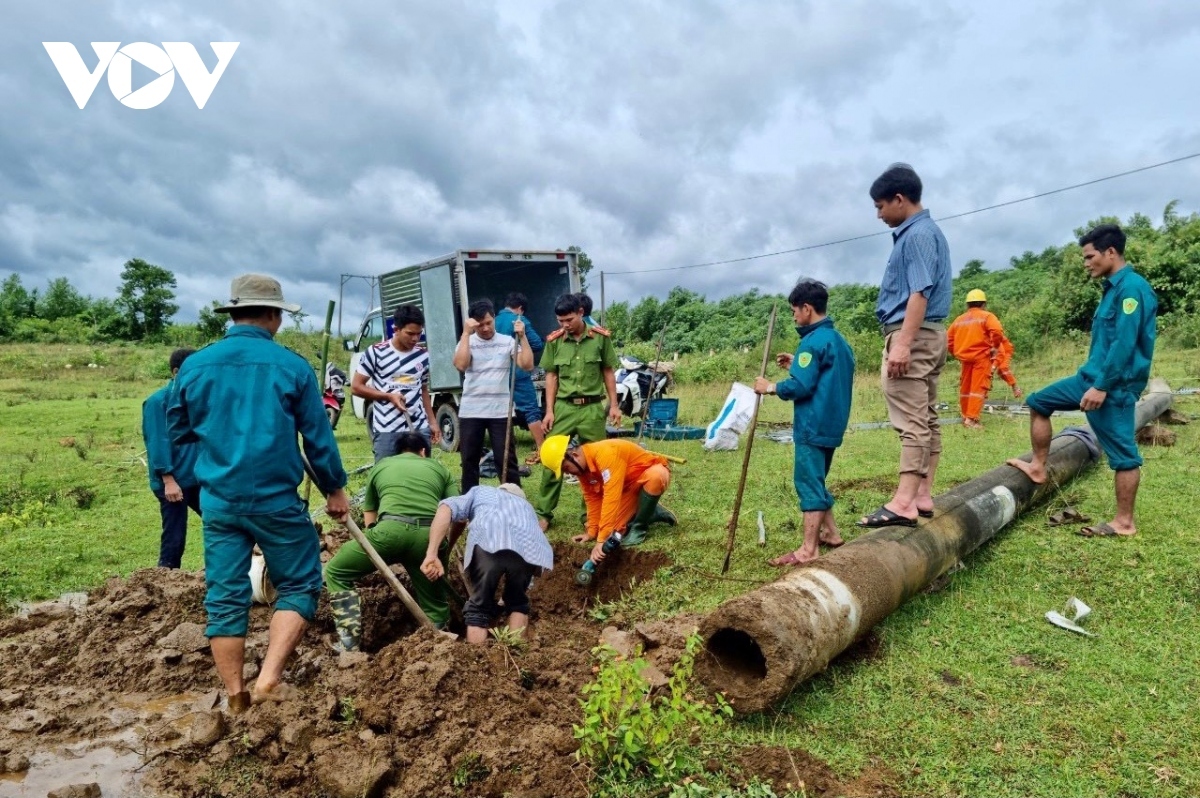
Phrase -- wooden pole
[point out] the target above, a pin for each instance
(602, 297)
(321, 377)
(737, 504)
(654, 371)
(406, 599)
(512, 388)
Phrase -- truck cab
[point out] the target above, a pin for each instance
(444, 288)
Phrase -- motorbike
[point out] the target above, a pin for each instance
(334, 397)
(637, 384)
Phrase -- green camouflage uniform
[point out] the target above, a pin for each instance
(580, 368)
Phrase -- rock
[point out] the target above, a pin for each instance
(186, 637)
(29, 720)
(350, 659)
(76, 791)
(623, 642)
(208, 701)
(352, 774)
(366, 735)
(170, 656)
(654, 677)
(10, 699)
(16, 763)
(250, 671)
(206, 728)
(297, 736)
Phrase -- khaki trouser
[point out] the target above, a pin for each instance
(912, 399)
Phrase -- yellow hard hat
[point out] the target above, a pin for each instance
(554, 449)
(976, 295)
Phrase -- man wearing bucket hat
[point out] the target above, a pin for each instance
(977, 340)
(622, 484)
(244, 399)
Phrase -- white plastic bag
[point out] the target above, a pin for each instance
(735, 415)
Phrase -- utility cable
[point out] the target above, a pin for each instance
(888, 232)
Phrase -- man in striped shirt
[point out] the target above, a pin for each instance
(394, 377)
(504, 540)
(485, 358)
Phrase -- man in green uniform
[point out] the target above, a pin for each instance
(580, 364)
(402, 498)
(1107, 386)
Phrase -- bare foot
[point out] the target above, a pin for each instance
(543, 524)
(831, 539)
(1036, 473)
(278, 693)
(971, 423)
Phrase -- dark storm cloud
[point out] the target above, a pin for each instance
(363, 138)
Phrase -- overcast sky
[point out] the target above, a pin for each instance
(364, 136)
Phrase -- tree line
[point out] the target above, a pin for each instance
(1038, 296)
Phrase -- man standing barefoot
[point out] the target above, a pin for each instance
(1107, 386)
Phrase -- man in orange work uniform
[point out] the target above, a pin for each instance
(976, 339)
(621, 482)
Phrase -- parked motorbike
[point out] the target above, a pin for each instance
(335, 393)
(637, 384)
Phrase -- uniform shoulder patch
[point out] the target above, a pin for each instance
(804, 360)
(1129, 305)
(554, 336)
(602, 330)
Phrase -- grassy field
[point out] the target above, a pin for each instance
(970, 693)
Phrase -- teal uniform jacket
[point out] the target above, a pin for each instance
(244, 399)
(1123, 333)
(161, 457)
(821, 383)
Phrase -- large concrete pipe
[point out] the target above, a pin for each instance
(760, 645)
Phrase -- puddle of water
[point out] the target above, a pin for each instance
(113, 769)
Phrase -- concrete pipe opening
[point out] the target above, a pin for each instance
(735, 662)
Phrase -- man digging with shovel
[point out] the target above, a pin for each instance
(402, 497)
(244, 400)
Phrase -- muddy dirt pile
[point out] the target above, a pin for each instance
(118, 688)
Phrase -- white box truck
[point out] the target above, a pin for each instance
(444, 288)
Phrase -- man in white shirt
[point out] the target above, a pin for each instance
(485, 357)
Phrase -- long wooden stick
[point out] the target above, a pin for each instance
(653, 372)
(321, 376)
(406, 599)
(512, 394)
(737, 504)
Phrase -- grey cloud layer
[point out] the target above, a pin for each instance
(652, 134)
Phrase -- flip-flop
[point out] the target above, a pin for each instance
(786, 560)
(925, 513)
(1067, 515)
(884, 517)
(1104, 530)
(832, 545)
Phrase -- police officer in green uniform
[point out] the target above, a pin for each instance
(402, 497)
(580, 364)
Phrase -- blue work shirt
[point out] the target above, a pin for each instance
(504, 324)
(1123, 333)
(244, 399)
(161, 457)
(919, 264)
(821, 383)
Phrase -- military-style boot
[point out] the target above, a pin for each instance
(647, 514)
(347, 618)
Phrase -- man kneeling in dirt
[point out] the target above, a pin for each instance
(622, 484)
(503, 540)
(249, 468)
(403, 492)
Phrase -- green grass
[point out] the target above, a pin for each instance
(972, 692)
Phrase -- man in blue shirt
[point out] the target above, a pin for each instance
(1107, 386)
(821, 383)
(524, 394)
(914, 300)
(172, 470)
(244, 400)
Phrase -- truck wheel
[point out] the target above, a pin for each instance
(446, 417)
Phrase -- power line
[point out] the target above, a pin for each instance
(888, 232)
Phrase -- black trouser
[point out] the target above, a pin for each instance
(485, 571)
(470, 432)
(174, 525)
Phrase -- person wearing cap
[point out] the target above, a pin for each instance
(580, 364)
(622, 485)
(403, 491)
(504, 541)
(914, 301)
(977, 340)
(172, 469)
(243, 401)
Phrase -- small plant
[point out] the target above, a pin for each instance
(347, 713)
(627, 732)
(510, 639)
(469, 770)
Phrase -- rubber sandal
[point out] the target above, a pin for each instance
(1104, 530)
(837, 545)
(925, 513)
(884, 517)
(1067, 515)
